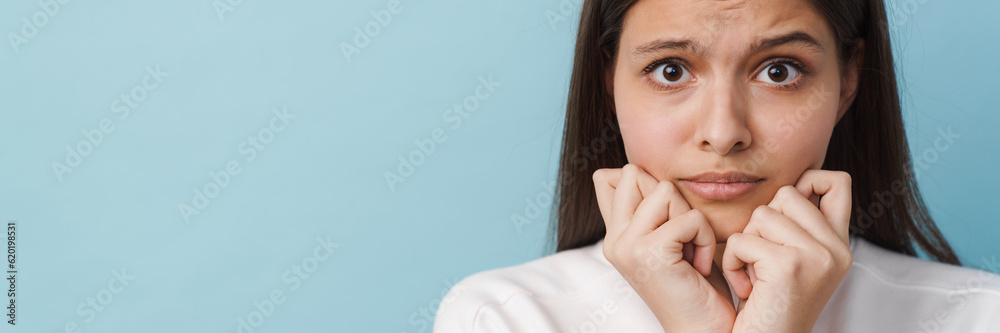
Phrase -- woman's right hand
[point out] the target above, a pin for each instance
(664, 250)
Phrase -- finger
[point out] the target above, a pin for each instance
(835, 203)
(742, 250)
(777, 228)
(791, 204)
(691, 227)
(605, 181)
(633, 185)
(658, 207)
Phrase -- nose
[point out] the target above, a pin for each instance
(723, 119)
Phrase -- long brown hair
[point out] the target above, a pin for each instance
(869, 142)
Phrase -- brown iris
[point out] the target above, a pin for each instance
(777, 73)
(672, 72)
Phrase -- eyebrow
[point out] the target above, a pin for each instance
(688, 45)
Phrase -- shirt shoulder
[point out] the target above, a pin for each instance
(482, 301)
(886, 290)
(896, 270)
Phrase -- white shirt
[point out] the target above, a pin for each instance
(579, 291)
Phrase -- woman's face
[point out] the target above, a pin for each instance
(747, 90)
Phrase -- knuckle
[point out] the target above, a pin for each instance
(668, 185)
(760, 212)
(630, 169)
(785, 193)
(600, 174)
(848, 260)
(826, 261)
(844, 257)
(734, 240)
(844, 177)
(787, 190)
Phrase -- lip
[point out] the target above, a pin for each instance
(721, 186)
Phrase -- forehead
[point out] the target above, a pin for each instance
(720, 23)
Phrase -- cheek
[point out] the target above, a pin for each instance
(798, 135)
(650, 133)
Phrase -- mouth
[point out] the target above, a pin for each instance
(721, 186)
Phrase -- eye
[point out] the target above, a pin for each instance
(778, 73)
(671, 73)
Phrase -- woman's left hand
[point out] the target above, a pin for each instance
(795, 253)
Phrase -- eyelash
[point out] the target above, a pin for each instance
(797, 65)
(656, 64)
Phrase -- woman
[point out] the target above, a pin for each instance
(751, 174)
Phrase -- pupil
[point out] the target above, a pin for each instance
(777, 73)
(672, 72)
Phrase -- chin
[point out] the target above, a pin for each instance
(726, 221)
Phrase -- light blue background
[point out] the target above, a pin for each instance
(323, 175)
